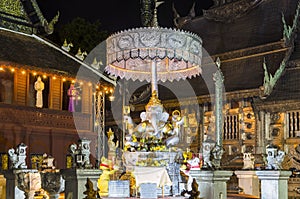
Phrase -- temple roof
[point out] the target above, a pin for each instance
(243, 39)
(288, 87)
(260, 24)
(33, 52)
(25, 16)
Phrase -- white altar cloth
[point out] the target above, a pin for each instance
(158, 175)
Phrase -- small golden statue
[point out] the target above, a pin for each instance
(194, 193)
(90, 192)
(107, 170)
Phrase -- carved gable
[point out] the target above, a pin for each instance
(12, 7)
(24, 16)
(13, 16)
(228, 10)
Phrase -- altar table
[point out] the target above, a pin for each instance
(158, 175)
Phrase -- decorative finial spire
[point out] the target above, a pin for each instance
(79, 52)
(154, 101)
(65, 43)
(154, 20)
(149, 12)
(81, 55)
(66, 46)
(110, 132)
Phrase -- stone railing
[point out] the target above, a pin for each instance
(31, 116)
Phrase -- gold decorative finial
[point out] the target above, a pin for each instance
(154, 101)
(110, 132)
(81, 55)
(65, 43)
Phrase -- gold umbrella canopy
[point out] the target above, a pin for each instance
(177, 54)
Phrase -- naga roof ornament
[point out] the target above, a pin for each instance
(289, 34)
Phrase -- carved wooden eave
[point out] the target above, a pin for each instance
(246, 53)
(231, 11)
(289, 37)
(276, 106)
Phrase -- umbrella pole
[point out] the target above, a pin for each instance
(154, 86)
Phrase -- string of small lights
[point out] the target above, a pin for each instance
(99, 86)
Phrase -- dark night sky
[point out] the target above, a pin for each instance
(116, 15)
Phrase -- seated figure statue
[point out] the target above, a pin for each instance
(248, 160)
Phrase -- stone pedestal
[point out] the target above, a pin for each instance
(248, 181)
(212, 184)
(274, 183)
(12, 190)
(75, 180)
(52, 182)
(2, 187)
(22, 183)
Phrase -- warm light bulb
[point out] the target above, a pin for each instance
(23, 72)
(90, 84)
(54, 77)
(73, 81)
(34, 73)
(44, 76)
(97, 87)
(1, 69)
(12, 70)
(64, 79)
(111, 98)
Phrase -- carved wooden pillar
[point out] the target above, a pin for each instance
(87, 97)
(55, 93)
(87, 101)
(20, 88)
